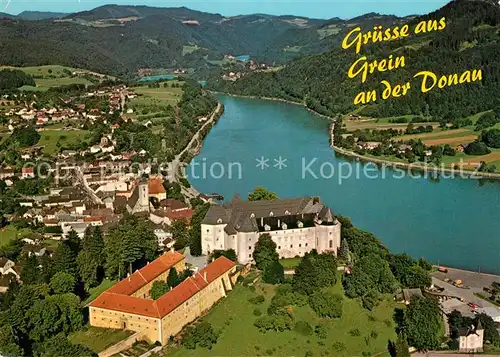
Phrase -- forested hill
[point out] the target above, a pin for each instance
(470, 41)
(117, 40)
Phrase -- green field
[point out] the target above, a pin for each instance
(49, 139)
(234, 317)
(11, 233)
(154, 97)
(98, 339)
(51, 76)
(328, 31)
(189, 49)
(56, 82)
(7, 234)
(290, 263)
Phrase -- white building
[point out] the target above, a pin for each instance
(296, 225)
(471, 339)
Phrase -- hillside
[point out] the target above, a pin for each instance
(119, 39)
(470, 41)
(40, 15)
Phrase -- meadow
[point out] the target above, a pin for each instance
(358, 332)
(50, 138)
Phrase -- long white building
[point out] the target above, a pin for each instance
(296, 225)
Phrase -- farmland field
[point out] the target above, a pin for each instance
(453, 141)
(156, 96)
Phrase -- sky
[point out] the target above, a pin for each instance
(324, 9)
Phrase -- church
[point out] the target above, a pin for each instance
(296, 225)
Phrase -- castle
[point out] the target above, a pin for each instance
(128, 305)
(296, 225)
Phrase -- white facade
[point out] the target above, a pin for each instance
(290, 242)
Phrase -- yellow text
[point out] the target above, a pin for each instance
(430, 80)
(358, 39)
(430, 25)
(361, 66)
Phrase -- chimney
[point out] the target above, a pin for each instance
(172, 250)
(205, 275)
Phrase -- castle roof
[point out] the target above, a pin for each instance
(242, 216)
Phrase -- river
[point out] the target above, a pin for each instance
(454, 222)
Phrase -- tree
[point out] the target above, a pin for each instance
(490, 329)
(62, 283)
(91, 258)
(43, 319)
(273, 273)
(369, 272)
(315, 271)
(370, 299)
(74, 242)
(65, 259)
(180, 233)
(30, 274)
(326, 303)
(265, 252)
(59, 345)
(195, 229)
(423, 323)
(400, 348)
(261, 194)
(172, 278)
(202, 335)
(229, 254)
(477, 148)
(8, 343)
(158, 289)
(344, 251)
(491, 138)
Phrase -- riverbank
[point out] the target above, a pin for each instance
(193, 148)
(394, 164)
(301, 104)
(428, 169)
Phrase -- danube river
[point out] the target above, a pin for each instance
(285, 148)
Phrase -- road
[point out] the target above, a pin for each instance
(81, 179)
(175, 164)
(467, 294)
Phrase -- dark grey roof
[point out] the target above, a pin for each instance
(242, 216)
(132, 201)
(408, 294)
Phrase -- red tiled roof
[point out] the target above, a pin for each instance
(143, 276)
(189, 287)
(187, 213)
(125, 303)
(92, 219)
(117, 299)
(28, 170)
(155, 186)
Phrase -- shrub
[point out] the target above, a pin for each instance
(326, 304)
(338, 346)
(321, 331)
(303, 328)
(374, 334)
(202, 335)
(354, 332)
(259, 299)
(370, 299)
(257, 312)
